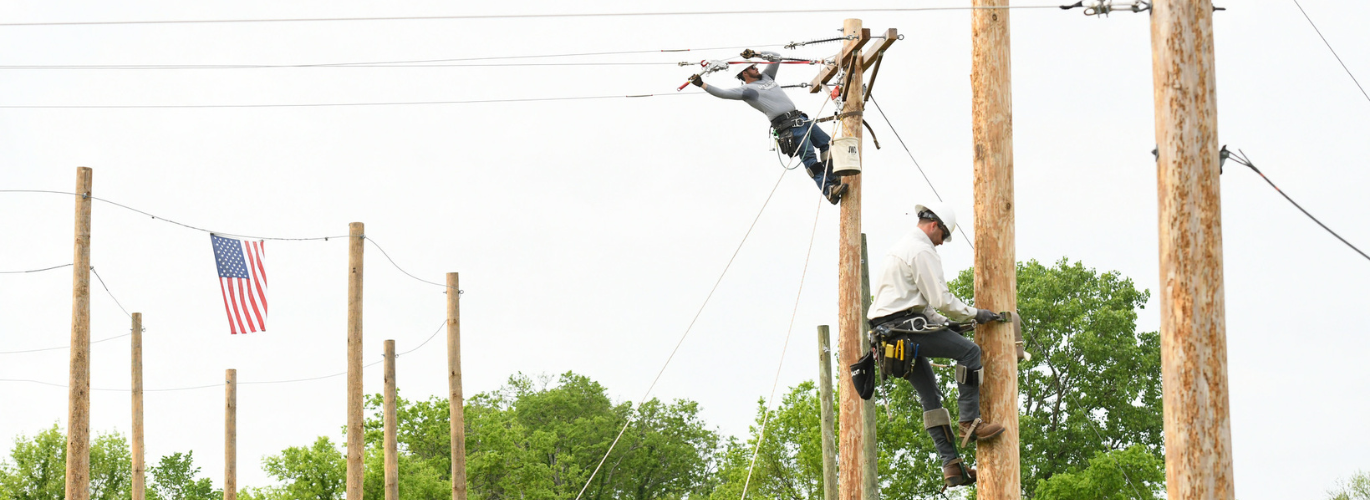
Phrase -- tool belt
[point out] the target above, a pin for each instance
(894, 341)
(788, 120)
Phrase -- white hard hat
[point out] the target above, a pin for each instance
(940, 211)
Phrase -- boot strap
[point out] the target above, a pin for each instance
(970, 433)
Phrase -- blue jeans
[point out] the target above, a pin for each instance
(817, 139)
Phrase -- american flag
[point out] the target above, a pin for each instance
(242, 279)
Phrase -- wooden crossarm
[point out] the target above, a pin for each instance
(830, 70)
(868, 58)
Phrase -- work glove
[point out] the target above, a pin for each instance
(697, 81)
(749, 53)
(983, 316)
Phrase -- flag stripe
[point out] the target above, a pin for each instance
(261, 255)
(237, 316)
(255, 260)
(227, 311)
(252, 314)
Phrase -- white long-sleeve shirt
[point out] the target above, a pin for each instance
(912, 279)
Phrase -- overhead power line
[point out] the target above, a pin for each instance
(1241, 159)
(519, 16)
(337, 104)
(36, 270)
(1334, 54)
(920, 167)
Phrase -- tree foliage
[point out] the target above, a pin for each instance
(317, 472)
(1130, 474)
(1355, 488)
(37, 467)
(175, 477)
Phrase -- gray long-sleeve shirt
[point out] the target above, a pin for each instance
(765, 94)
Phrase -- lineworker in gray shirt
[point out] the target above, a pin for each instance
(794, 131)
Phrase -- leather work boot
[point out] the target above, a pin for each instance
(835, 192)
(983, 431)
(957, 474)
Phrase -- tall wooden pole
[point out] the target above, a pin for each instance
(392, 450)
(825, 405)
(78, 394)
(139, 468)
(1198, 436)
(230, 434)
(850, 316)
(454, 398)
(996, 281)
(870, 457)
(355, 438)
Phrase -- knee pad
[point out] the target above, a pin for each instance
(936, 418)
(965, 376)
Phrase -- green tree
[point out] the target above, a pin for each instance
(789, 461)
(422, 435)
(1356, 488)
(37, 467)
(1131, 474)
(317, 472)
(174, 478)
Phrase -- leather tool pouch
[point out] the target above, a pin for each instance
(787, 142)
(896, 355)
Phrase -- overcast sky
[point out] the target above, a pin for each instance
(587, 233)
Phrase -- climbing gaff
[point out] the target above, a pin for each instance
(1016, 322)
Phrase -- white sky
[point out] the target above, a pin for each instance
(588, 232)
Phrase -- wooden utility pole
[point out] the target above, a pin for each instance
(454, 397)
(230, 434)
(355, 438)
(139, 468)
(825, 405)
(1198, 436)
(996, 282)
(870, 458)
(78, 394)
(392, 450)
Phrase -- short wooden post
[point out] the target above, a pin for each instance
(78, 394)
(139, 468)
(230, 434)
(392, 450)
(825, 403)
(356, 444)
(454, 397)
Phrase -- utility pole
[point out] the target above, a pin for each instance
(851, 314)
(996, 282)
(139, 468)
(231, 434)
(825, 407)
(392, 450)
(454, 398)
(870, 458)
(1198, 436)
(78, 394)
(355, 438)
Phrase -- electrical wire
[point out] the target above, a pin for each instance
(1339, 61)
(36, 270)
(336, 104)
(397, 266)
(965, 237)
(111, 294)
(67, 346)
(316, 66)
(524, 16)
(1241, 159)
(688, 328)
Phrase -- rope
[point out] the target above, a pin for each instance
(1241, 159)
(689, 327)
(765, 416)
(1339, 61)
(965, 237)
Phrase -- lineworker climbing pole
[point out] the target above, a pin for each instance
(904, 319)
(793, 131)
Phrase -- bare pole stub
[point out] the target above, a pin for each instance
(356, 442)
(139, 472)
(825, 407)
(1198, 435)
(230, 434)
(996, 281)
(850, 316)
(78, 392)
(392, 450)
(454, 397)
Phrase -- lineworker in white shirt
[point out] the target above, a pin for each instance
(909, 294)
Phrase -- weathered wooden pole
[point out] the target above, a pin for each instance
(230, 434)
(825, 405)
(850, 316)
(454, 398)
(1198, 435)
(996, 281)
(355, 438)
(139, 468)
(78, 394)
(392, 450)
(870, 457)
